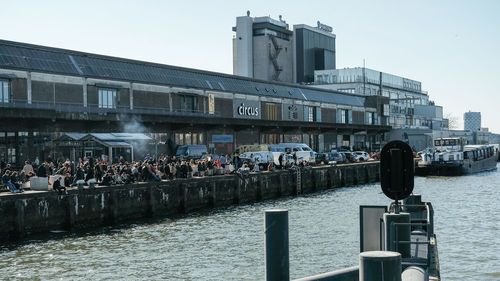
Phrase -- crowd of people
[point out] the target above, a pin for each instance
(97, 171)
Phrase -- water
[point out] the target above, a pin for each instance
(228, 243)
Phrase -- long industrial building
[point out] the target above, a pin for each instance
(46, 92)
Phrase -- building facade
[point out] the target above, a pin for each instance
(265, 48)
(472, 121)
(47, 92)
(262, 49)
(314, 50)
(412, 116)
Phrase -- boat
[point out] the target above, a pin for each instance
(451, 157)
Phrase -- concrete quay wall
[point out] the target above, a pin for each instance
(37, 212)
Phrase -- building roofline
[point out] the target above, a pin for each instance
(314, 29)
(146, 63)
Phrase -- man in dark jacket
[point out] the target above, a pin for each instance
(42, 171)
(79, 175)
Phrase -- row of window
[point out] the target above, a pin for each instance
(107, 98)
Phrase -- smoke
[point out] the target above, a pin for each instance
(129, 124)
(132, 125)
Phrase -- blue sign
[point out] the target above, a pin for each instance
(222, 138)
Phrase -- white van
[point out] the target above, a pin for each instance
(264, 157)
(301, 150)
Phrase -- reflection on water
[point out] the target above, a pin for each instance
(228, 243)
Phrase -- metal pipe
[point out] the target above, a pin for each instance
(276, 242)
(346, 274)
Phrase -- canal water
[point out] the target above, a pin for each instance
(228, 243)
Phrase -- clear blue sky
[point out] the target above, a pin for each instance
(451, 46)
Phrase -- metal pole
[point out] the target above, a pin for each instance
(276, 243)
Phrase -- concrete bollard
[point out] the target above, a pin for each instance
(379, 266)
(277, 255)
(397, 227)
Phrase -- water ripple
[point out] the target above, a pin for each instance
(228, 243)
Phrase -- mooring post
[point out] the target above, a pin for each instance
(277, 257)
(379, 266)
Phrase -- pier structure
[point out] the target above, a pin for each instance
(396, 243)
(25, 214)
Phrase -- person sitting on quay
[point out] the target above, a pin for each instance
(6, 181)
(58, 187)
(80, 175)
(107, 180)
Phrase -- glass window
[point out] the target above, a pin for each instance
(189, 103)
(4, 91)
(107, 98)
(11, 155)
(271, 111)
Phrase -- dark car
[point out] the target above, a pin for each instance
(337, 157)
(322, 158)
(348, 156)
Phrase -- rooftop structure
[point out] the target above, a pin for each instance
(314, 50)
(262, 48)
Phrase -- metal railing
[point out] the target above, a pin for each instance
(95, 109)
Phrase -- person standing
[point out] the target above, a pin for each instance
(42, 171)
(236, 161)
(28, 170)
(280, 161)
(223, 160)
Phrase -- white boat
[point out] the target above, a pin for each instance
(450, 157)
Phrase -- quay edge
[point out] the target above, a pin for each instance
(22, 215)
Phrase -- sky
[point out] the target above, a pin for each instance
(452, 47)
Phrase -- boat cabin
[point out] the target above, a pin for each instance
(443, 144)
(478, 152)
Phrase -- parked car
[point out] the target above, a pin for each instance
(361, 156)
(211, 156)
(301, 150)
(262, 156)
(348, 156)
(322, 158)
(191, 151)
(337, 157)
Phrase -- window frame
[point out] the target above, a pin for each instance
(5, 97)
(105, 96)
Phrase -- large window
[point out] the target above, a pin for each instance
(370, 118)
(188, 138)
(312, 113)
(4, 91)
(107, 98)
(11, 155)
(344, 116)
(271, 111)
(189, 104)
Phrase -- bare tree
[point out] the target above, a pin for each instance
(452, 121)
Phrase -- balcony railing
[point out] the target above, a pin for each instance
(95, 109)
